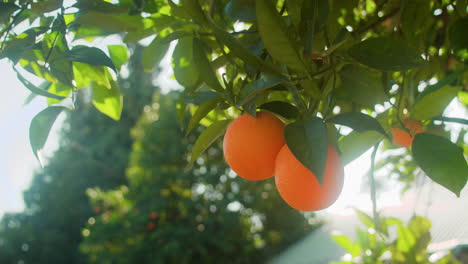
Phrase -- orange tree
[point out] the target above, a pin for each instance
(322, 65)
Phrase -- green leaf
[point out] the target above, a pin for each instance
(89, 55)
(458, 37)
(31, 87)
(281, 108)
(118, 55)
(194, 9)
(207, 137)
(361, 85)
(364, 218)
(185, 70)
(40, 126)
(154, 53)
(355, 144)
(358, 121)
(46, 6)
(275, 36)
(406, 239)
(441, 160)
(202, 111)
(450, 79)
(419, 225)
(159, 22)
(243, 10)
(352, 248)
(434, 103)
(307, 140)
(266, 81)
(204, 68)
(176, 35)
(240, 51)
(107, 101)
(416, 18)
(295, 11)
(60, 89)
(463, 97)
(386, 54)
(6, 9)
(113, 23)
(85, 73)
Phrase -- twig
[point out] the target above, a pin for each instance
(376, 22)
(7, 30)
(451, 119)
(372, 188)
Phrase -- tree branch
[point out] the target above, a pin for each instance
(376, 22)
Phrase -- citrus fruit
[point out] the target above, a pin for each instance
(401, 137)
(300, 188)
(251, 144)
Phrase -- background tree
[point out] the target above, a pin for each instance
(49, 230)
(169, 214)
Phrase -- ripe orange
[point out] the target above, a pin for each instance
(298, 186)
(251, 144)
(402, 138)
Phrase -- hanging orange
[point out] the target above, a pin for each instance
(300, 188)
(402, 138)
(251, 144)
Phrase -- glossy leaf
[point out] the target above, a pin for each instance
(266, 81)
(281, 108)
(386, 54)
(275, 36)
(118, 55)
(204, 68)
(307, 140)
(202, 111)
(185, 70)
(207, 137)
(60, 89)
(107, 101)
(86, 73)
(355, 144)
(434, 103)
(441, 160)
(154, 53)
(361, 85)
(89, 55)
(40, 127)
(358, 121)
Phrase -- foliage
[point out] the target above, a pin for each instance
(320, 58)
(168, 214)
(49, 230)
(390, 242)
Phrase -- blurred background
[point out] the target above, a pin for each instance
(119, 192)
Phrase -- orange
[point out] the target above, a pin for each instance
(251, 144)
(300, 188)
(402, 138)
